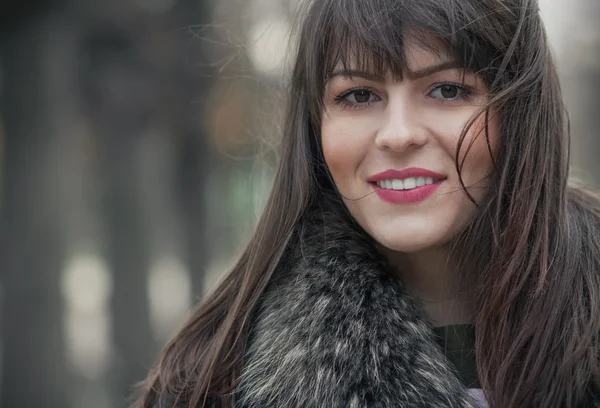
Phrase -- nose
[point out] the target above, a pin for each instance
(403, 127)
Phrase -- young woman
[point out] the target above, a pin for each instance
(421, 246)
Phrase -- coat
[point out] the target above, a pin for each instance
(334, 329)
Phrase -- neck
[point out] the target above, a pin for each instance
(429, 278)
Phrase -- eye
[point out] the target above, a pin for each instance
(360, 96)
(449, 92)
(356, 98)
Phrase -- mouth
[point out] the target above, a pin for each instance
(406, 186)
(407, 183)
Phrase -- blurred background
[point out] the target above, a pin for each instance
(133, 170)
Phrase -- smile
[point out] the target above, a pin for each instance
(406, 195)
(406, 184)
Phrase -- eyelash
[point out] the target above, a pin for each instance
(466, 94)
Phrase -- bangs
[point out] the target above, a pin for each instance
(376, 49)
(371, 36)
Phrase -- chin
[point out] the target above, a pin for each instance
(407, 244)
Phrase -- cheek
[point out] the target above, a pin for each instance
(484, 147)
(478, 152)
(335, 152)
(343, 148)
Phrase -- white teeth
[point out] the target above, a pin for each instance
(409, 183)
(397, 185)
(405, 184)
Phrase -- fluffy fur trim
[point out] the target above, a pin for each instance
(335, 330)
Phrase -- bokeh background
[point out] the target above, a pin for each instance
(133, 167)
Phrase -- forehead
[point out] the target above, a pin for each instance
(416, 53)
(381, 36)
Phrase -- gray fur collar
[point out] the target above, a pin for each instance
(334, 330)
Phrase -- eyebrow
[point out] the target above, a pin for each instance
(420, 73)
(443, 66)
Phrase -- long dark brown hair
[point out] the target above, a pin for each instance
(530, 256)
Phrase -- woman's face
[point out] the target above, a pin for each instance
(390, 146)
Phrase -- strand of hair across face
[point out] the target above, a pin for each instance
(441, 194)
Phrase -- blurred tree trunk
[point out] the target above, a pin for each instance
(581, 83)
(190, 124)
(193, 174)
(588, 113)
(121, 96)
(140, 81)
(38, 65)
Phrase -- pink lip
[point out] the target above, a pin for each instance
(406, 173)
(406, 196)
